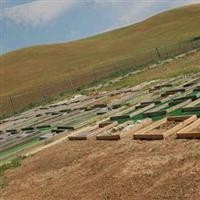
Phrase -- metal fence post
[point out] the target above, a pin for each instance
(179, 47)
(166, 52)
(44, 96)
(158, 53)
(71, 84)
(12, 104)
(94, 74)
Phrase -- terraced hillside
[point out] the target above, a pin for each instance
(49, 65)
(137, 142)
(136, 138)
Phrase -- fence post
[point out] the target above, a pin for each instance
(192, 45)
(152, 60)
(118, 69)
(158, 53)
(166, 52)
(179, 46)
(12, 104)
(94, 74)
(71, 84)
(44, 96)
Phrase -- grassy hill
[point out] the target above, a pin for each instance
(48, 65)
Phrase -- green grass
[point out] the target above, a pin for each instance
(10, 152)
(16, 162)
(179, 112)
(46, 129)
(3, 182)
(6, 153)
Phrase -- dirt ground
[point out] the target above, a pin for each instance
(99, 170)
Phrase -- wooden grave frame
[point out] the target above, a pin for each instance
(192, 106)
(157, 111)
(134, 113)
(84, 135)
(125, 133)
(148, 133)
(189, 132)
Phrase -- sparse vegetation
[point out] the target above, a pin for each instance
(3, 182)
(16, 162)
(187, 65)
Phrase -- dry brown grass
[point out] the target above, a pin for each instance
(35, 67)
(186, 65)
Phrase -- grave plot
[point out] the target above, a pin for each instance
(164, 128)
(177, 106)
(19, 135)
(77, 121)
(174, 91)
(132, 114)
(127, 97)
(10, 141)
(60, 129)
(196, 89)
(46, 136)
(123, 130)
(72, 116)
(123, 114)
(80, 105)
(158, 87)
(86, 134)
(190, 132)
(46, 122)
(186, 97)
(173, 96)
(102, 111)
(7, 139)
(192, 82)
(34, 121)
(65, 110)
(157, 111)
(16, 124)
(191, 93)
(192, 107)
(165, 108)
(10, 153)
(111, 133)
(22, 132)
(146, 103)
(130, 99)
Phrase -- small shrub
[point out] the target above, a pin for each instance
(16, 162)
(48, 141)
(3, 182)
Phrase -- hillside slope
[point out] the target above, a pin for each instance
(93, 170)
(33, 67)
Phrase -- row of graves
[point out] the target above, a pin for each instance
(173, 112)
(63, 118)
(151, 110)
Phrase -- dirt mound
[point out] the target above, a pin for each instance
(94, 170)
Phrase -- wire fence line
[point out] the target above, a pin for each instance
(71, 83)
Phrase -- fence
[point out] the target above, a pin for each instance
(17, 103)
